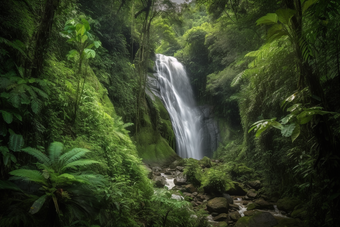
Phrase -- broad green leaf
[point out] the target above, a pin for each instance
(297, 106)
(296, 133)
(276, 28)
(270, 18)
(308, 4)
(6, 159)
(70, 22)
(16, 142)
(287, 130)
(72, 54)
(289, 99)
(86, 24)
(80, 29)
(89, 53)
(13, 158)
(276, 124)
(8, 117)
(38, 204)
(32, 80)
(97, 44)
(3, 128)
(84, 38)
(45, 174)
(305, 116)
(284, 15)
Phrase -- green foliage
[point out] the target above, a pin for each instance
(216, 180)
(193, 171)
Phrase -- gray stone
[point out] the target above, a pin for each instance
(234, 215)
(159, 181)
(221, 217)
(228, 197)
(252, 193)
(218, 204)
(180, 179)
(254, 184)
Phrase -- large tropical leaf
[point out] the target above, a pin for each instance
(270, 18)
(29, 175)
(16, 141)
(73, 155)
(38, 204)
(284, 15)
(9, 185)
(54, 151)
(37, 154)
(79, 163)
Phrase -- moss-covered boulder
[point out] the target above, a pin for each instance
(299, 212)
(218, 205)
(236, 189)
(260, 219)
(260, 204)
(288, 222)
(287, 204)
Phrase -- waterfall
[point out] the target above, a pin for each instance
(194, 137)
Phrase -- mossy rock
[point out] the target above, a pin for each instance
(236, 189)
(288, 222)
(205, 162)
(259, 219)
(287, 204)
(299, 213)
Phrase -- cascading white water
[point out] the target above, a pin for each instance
(178, 98)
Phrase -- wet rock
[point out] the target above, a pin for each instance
(258, 220)
(180, 179)
(167, 171)
(188, 194)
(252, 193)
(262, 204)
(289, 222)
(237, 189)
(195, 194)
(228, 197)
(218, 204)
(159, 181)
(190, 188)
(254, 184)
(176, 163)
(234, 216)
(221, 217)
(249, 213)
(287, 204)
(180, 168)
(214, 214)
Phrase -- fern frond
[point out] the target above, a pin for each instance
(54, 151)
(37, 154)
(73, 155)
(29, 175)
(91, 178)
(9, 185)
(40, 92)
(237, 79)
(79, 163)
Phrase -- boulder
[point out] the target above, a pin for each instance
(287, 204)
(221, 217)
(234, 216)
(249, 212)
(180, 179)
(190, 188)
(178, 162)
(237, 189)
(167, 171)
(228, 197)
(218, 204)
(180, 168)
(255, 184)
(252, 194)
(160, 181)
(264, 219)
(260, 204)
(283, 222)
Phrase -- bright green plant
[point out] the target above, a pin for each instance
(290, 125)
(216, 180)
(83, 40)
(193, 171)
(57, 175)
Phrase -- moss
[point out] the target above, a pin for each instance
(299, 213)
(288, 204)
(251, 206)
(288, 222)
(243, 222)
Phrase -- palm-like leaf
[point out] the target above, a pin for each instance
(36, 153)
(30, 175)
(79, 163)
(73, 155)
(55, 150)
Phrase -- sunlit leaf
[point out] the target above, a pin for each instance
(270, 18)
(38, 204)
(284, 15)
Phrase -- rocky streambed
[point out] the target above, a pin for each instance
(241, 206)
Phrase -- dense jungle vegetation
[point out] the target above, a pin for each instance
(77, 126)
